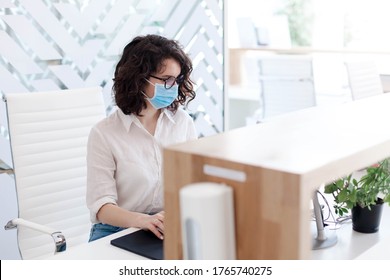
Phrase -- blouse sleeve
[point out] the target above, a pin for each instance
(101, 186)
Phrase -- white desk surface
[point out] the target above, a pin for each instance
(355, 245)
(100, 249)
(350, 245)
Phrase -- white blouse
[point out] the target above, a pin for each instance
(124, 160)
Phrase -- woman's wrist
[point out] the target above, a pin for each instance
(139, 219)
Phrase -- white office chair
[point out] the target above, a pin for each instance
(48, 134)
(364, 79)
(286, 83)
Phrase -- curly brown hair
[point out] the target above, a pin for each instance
(143, 57)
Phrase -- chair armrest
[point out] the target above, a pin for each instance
(58, 237)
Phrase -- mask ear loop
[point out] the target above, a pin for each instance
(147, 97)
(150, 82)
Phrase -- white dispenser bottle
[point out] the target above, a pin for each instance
(207, 220)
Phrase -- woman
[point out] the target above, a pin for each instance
(124, 159)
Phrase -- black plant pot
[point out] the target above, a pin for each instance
(366, 220)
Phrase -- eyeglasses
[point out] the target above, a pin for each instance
(170, 81)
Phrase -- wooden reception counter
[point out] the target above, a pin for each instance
(273, 168)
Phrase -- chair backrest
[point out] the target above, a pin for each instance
(287, 84)
(48, 134)
(364, 79)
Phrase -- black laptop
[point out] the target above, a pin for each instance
(141, 242)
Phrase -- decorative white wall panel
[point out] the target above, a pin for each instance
(47, 45)
(60, 44)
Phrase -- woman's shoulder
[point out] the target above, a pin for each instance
(108, 122)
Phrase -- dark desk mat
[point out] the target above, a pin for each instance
(141, 242)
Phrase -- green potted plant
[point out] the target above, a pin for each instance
(364, 196)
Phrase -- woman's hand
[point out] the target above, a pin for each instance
(154, 223)
(116, 216)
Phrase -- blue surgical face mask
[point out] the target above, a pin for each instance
(163, 97)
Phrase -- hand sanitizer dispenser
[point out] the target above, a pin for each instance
(207, 220)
